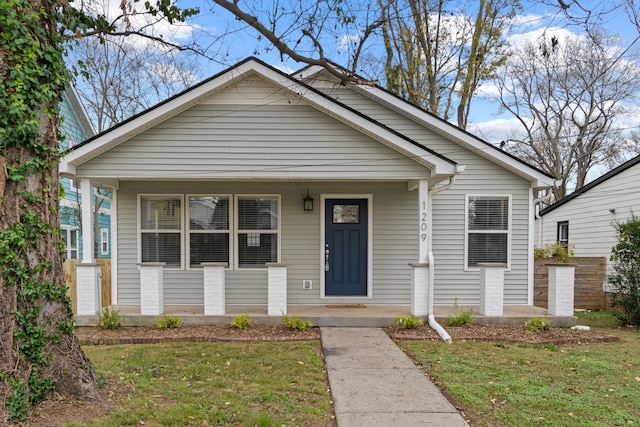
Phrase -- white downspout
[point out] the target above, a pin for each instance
(432, 320)
(536, 203)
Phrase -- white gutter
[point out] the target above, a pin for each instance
(432, 320)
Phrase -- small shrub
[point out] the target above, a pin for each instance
(460, 317)
(109, 318)
(561, 253)
(241, 321)
(408, 322)
(294, 322)
(625, 280)
(537, 324)
(169, 322)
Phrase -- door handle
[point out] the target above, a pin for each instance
(326, 258)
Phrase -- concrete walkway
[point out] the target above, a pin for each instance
(374, 383)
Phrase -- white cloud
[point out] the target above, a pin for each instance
(496, 130)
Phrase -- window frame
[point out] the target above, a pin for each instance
(508, 231)
(237, 231)
(188, 231)
(104, 241)
(67, 235)
(559, 225)
(162, 231)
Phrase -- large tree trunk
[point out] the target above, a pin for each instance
(38, 351)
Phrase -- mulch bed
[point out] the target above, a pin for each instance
(256, 332)
(505, 334)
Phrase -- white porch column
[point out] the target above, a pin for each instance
(420, 294)
(277, 289)
(492, 288)
(214, 288)
(151, 288)
(87, 221)
(561, 282)
(88, 288)
(421, 291)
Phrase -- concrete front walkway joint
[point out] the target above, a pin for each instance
(374, 383)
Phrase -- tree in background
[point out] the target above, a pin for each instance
(437, 57)
(121, 77)
(625, 280)
(566, 94)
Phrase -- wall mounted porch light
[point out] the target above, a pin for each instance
(308, 202)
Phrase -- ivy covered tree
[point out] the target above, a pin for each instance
(625, 280)
(38, 352)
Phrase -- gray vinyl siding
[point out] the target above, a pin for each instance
(394, 242)
(591, 231)
(227, 141)
(480, 177)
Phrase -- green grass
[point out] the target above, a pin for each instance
(504, 384)
(245, 384)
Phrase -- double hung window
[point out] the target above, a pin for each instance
(208, 229)
(161, 230)
(488, 230)
(563, 233)
(257, 235)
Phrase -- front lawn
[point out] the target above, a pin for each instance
(511, 385)
(245, 384)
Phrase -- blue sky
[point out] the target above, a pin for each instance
(485, 120)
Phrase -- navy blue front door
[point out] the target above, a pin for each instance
(346, 240)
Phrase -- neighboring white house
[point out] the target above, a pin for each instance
(405, 205)
(584, 219)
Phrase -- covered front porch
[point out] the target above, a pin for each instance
(328, 315)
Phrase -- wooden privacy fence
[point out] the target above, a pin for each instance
(70, 279)
(588, 284)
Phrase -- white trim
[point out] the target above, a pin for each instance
(369, 198)
(188, 231)
(530, 250)
(114, 246)
(278, 232)
(466, 227)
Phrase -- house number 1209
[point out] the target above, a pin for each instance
(423, 222)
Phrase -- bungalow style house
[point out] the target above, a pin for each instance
(585, 218)
(265, 188)
(76, 126)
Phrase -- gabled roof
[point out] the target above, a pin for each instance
(439, 165)
(539, 178)
(566, 199)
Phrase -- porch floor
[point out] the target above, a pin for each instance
(325, 316)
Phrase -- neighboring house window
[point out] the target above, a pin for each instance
(161, 230)
(70, 236)
(488, 229)
(104, 241)
(257, 231)
(75, 185)
(563, 233)
(209, 239)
